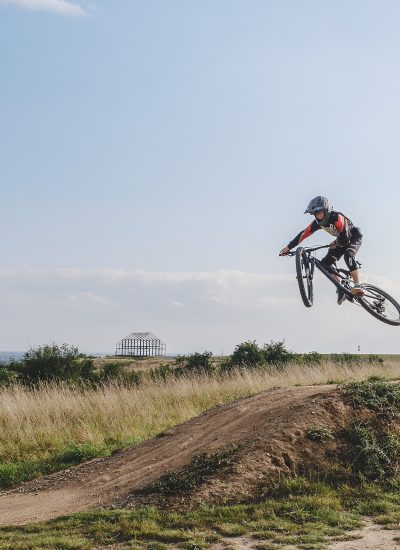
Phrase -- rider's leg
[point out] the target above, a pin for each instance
(350, 259)
(355, 276)
(328, 261)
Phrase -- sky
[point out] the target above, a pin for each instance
(155, 156)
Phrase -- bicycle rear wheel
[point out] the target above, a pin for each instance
(304, 274)
(379, 304)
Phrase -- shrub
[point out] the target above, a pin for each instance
(247, 354)
(371, 453)
(276, 353)
(196, 363)
(164, 372)
(346, 358)
(311, 358)
(7, 376)
(55, 363)
(117, 372)
(250, 355)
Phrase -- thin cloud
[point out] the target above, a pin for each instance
(190, 310)
(61, 7)
(229, 288)
(87, 295)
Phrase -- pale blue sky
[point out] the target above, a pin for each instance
(184, 139)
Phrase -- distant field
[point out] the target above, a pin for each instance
(144, 363)
(147, 363)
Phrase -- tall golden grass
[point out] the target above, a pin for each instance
(36, 425)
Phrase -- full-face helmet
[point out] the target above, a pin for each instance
(316, 205)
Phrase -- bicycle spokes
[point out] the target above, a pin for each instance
(380, 305)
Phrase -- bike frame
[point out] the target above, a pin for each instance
(343, 274)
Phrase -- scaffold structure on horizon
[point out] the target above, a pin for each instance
(141, 344)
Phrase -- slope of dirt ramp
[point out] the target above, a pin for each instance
(267, 430)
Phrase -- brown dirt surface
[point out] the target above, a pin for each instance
(268, 432)
(371, 537)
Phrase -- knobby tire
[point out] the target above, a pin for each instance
(306, 290)
(365, 304)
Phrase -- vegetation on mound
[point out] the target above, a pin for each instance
(195, 474)
(372, 442)
(368, 447)
(319, 433)
(377, 395)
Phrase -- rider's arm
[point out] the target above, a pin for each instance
(312, 228)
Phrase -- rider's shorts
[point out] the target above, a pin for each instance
(349, 252)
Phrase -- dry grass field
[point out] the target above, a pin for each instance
(36, 425)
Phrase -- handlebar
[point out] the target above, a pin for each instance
(311, 249)
(307, 249)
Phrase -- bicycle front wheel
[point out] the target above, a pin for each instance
(379, 304)
(304, 277)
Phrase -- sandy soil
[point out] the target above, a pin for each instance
(372, 537)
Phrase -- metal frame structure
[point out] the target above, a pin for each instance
(140, 344)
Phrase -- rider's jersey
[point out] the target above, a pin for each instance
(338, 226)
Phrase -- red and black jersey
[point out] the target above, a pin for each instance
(338, 226)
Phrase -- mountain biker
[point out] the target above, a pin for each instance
(347, 243)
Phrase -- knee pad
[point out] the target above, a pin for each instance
(350, 260)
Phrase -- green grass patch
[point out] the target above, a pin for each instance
(298, 520)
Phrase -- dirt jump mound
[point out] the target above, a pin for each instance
(231, 452)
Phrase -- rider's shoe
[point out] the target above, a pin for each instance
(357, 290)
(341, 296)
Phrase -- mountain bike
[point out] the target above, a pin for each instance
(377, 302)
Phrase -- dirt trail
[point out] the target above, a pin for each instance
(275, 417)
(372, 537)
